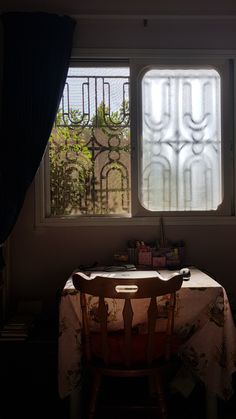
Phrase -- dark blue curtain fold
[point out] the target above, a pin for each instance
(37, 48)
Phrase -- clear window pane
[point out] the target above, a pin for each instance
(89, 147)
(181, 140)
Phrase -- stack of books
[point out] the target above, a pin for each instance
(17, 328)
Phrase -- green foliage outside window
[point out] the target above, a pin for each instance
(70, 165)
(74, 180)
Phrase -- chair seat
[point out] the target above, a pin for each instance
(139, 345)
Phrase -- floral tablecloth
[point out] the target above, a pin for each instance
(203, 318)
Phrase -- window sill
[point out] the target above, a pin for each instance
(134, 221)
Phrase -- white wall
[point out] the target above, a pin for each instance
(41, 259)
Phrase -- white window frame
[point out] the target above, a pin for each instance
(225, 63)
(139, 67)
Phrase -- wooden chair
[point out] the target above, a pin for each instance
(128, 361)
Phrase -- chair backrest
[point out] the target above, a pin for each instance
(128, 289)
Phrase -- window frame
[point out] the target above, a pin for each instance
(224, 63)
(222, 66)
(90, 64)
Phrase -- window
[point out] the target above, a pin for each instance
(142, 138)
(89, 147)
(181, 140)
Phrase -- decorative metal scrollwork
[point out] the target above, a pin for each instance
(181, 147)
(90, 147)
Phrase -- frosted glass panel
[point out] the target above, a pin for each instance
(181, 140)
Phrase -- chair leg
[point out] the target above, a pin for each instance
(152, 386)
(161, 398)
(95, 390)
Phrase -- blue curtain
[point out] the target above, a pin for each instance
(37, 48)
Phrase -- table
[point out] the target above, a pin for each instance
(203, 318)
